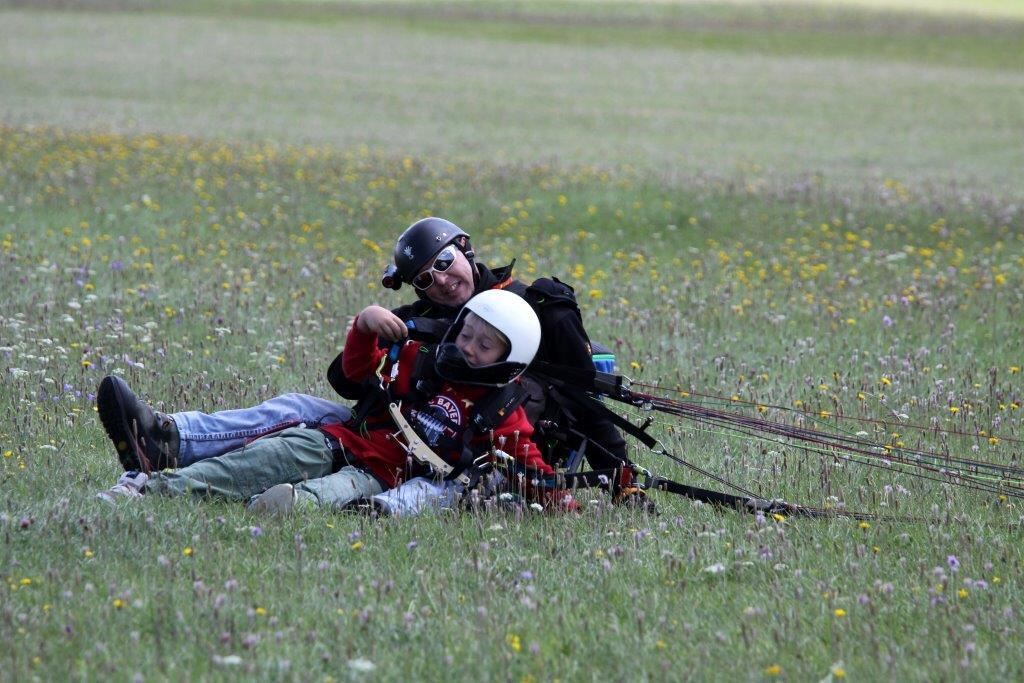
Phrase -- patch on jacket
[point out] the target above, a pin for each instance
(441, 419)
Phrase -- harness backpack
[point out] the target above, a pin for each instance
(561, 424)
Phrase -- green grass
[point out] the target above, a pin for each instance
(765, 97)
(755, 226)
(213, 275)
(950, 36)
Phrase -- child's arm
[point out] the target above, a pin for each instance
(515, 434)
(515, 437)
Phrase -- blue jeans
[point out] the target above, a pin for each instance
(207, 435)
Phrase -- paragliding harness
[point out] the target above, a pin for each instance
(488, 414)
(378, 395)
(569, 393)
(553, 409)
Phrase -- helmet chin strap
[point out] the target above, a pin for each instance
(452, 365)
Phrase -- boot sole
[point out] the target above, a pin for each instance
(111, 398)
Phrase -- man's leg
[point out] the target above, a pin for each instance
(146, 440)
(206, 435)
(293, 456)
(607, 449)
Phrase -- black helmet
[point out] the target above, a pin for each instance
(420, 242)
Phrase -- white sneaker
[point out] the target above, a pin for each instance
(277, 500)
(129, 485)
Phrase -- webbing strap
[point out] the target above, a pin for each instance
(595, 407)
(489, 413)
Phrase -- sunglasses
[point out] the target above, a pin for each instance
(442, 262)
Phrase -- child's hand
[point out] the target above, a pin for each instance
(382, 322)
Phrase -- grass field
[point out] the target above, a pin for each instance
(779, 99)
(198, 203)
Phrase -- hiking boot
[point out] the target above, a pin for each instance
(145, 440)
(129, 485)
(277, 500)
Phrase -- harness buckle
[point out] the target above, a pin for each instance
(379, 372)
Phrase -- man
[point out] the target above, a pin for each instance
(435, 257)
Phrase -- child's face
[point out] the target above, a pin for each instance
(480, 343)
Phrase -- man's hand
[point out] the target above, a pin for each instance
(382, 322)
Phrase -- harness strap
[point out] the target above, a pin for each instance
(619, 479)
(488, 414)
(588, 379)
(378, 394)
(493, 410)
(557, 390)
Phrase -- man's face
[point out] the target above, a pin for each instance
(480, 343)
(454, 286)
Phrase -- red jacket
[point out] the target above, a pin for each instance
(386, 459)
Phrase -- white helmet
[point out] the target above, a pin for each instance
(509, 314)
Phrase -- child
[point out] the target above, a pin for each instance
(495, 337)
(495, 340)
